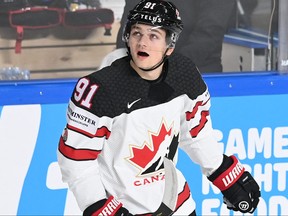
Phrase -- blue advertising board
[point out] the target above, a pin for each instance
(250, 118)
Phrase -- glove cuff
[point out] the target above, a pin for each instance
(230, 175)
(103, 207)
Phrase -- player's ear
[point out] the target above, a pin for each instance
(169, 51)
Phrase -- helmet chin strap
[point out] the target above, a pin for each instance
(156, 65)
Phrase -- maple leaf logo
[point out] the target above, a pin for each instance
(149, 156)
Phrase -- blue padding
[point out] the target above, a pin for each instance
(36, 91)
(220, 85)
(240, 84)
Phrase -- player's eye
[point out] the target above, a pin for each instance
(154, 36)
(136, 34)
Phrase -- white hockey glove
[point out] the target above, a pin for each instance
(108, 207)
(241, 192)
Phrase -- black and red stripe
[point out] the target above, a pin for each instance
(77, 154)
(203, 120)
(102, 132)
(183, 196)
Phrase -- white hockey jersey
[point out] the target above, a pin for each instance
(120, 127)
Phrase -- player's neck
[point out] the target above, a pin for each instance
(148, 75)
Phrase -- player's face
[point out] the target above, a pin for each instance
(147, 45)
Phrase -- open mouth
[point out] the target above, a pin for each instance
(144, 54)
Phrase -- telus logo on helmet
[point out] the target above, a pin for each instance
(153, 19)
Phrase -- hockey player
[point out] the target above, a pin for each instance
(124, 119)
(206, 22)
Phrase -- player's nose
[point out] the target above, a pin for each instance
(143, 41)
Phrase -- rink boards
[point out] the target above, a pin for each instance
(250, 117)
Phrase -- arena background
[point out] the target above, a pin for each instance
(249, 109)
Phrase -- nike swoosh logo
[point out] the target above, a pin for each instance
(129, 105)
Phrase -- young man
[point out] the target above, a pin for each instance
(126, 118)
(206, 22)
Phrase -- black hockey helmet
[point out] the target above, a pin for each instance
(155, 13)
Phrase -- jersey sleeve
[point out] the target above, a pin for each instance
(82, 140)
(197, 138)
